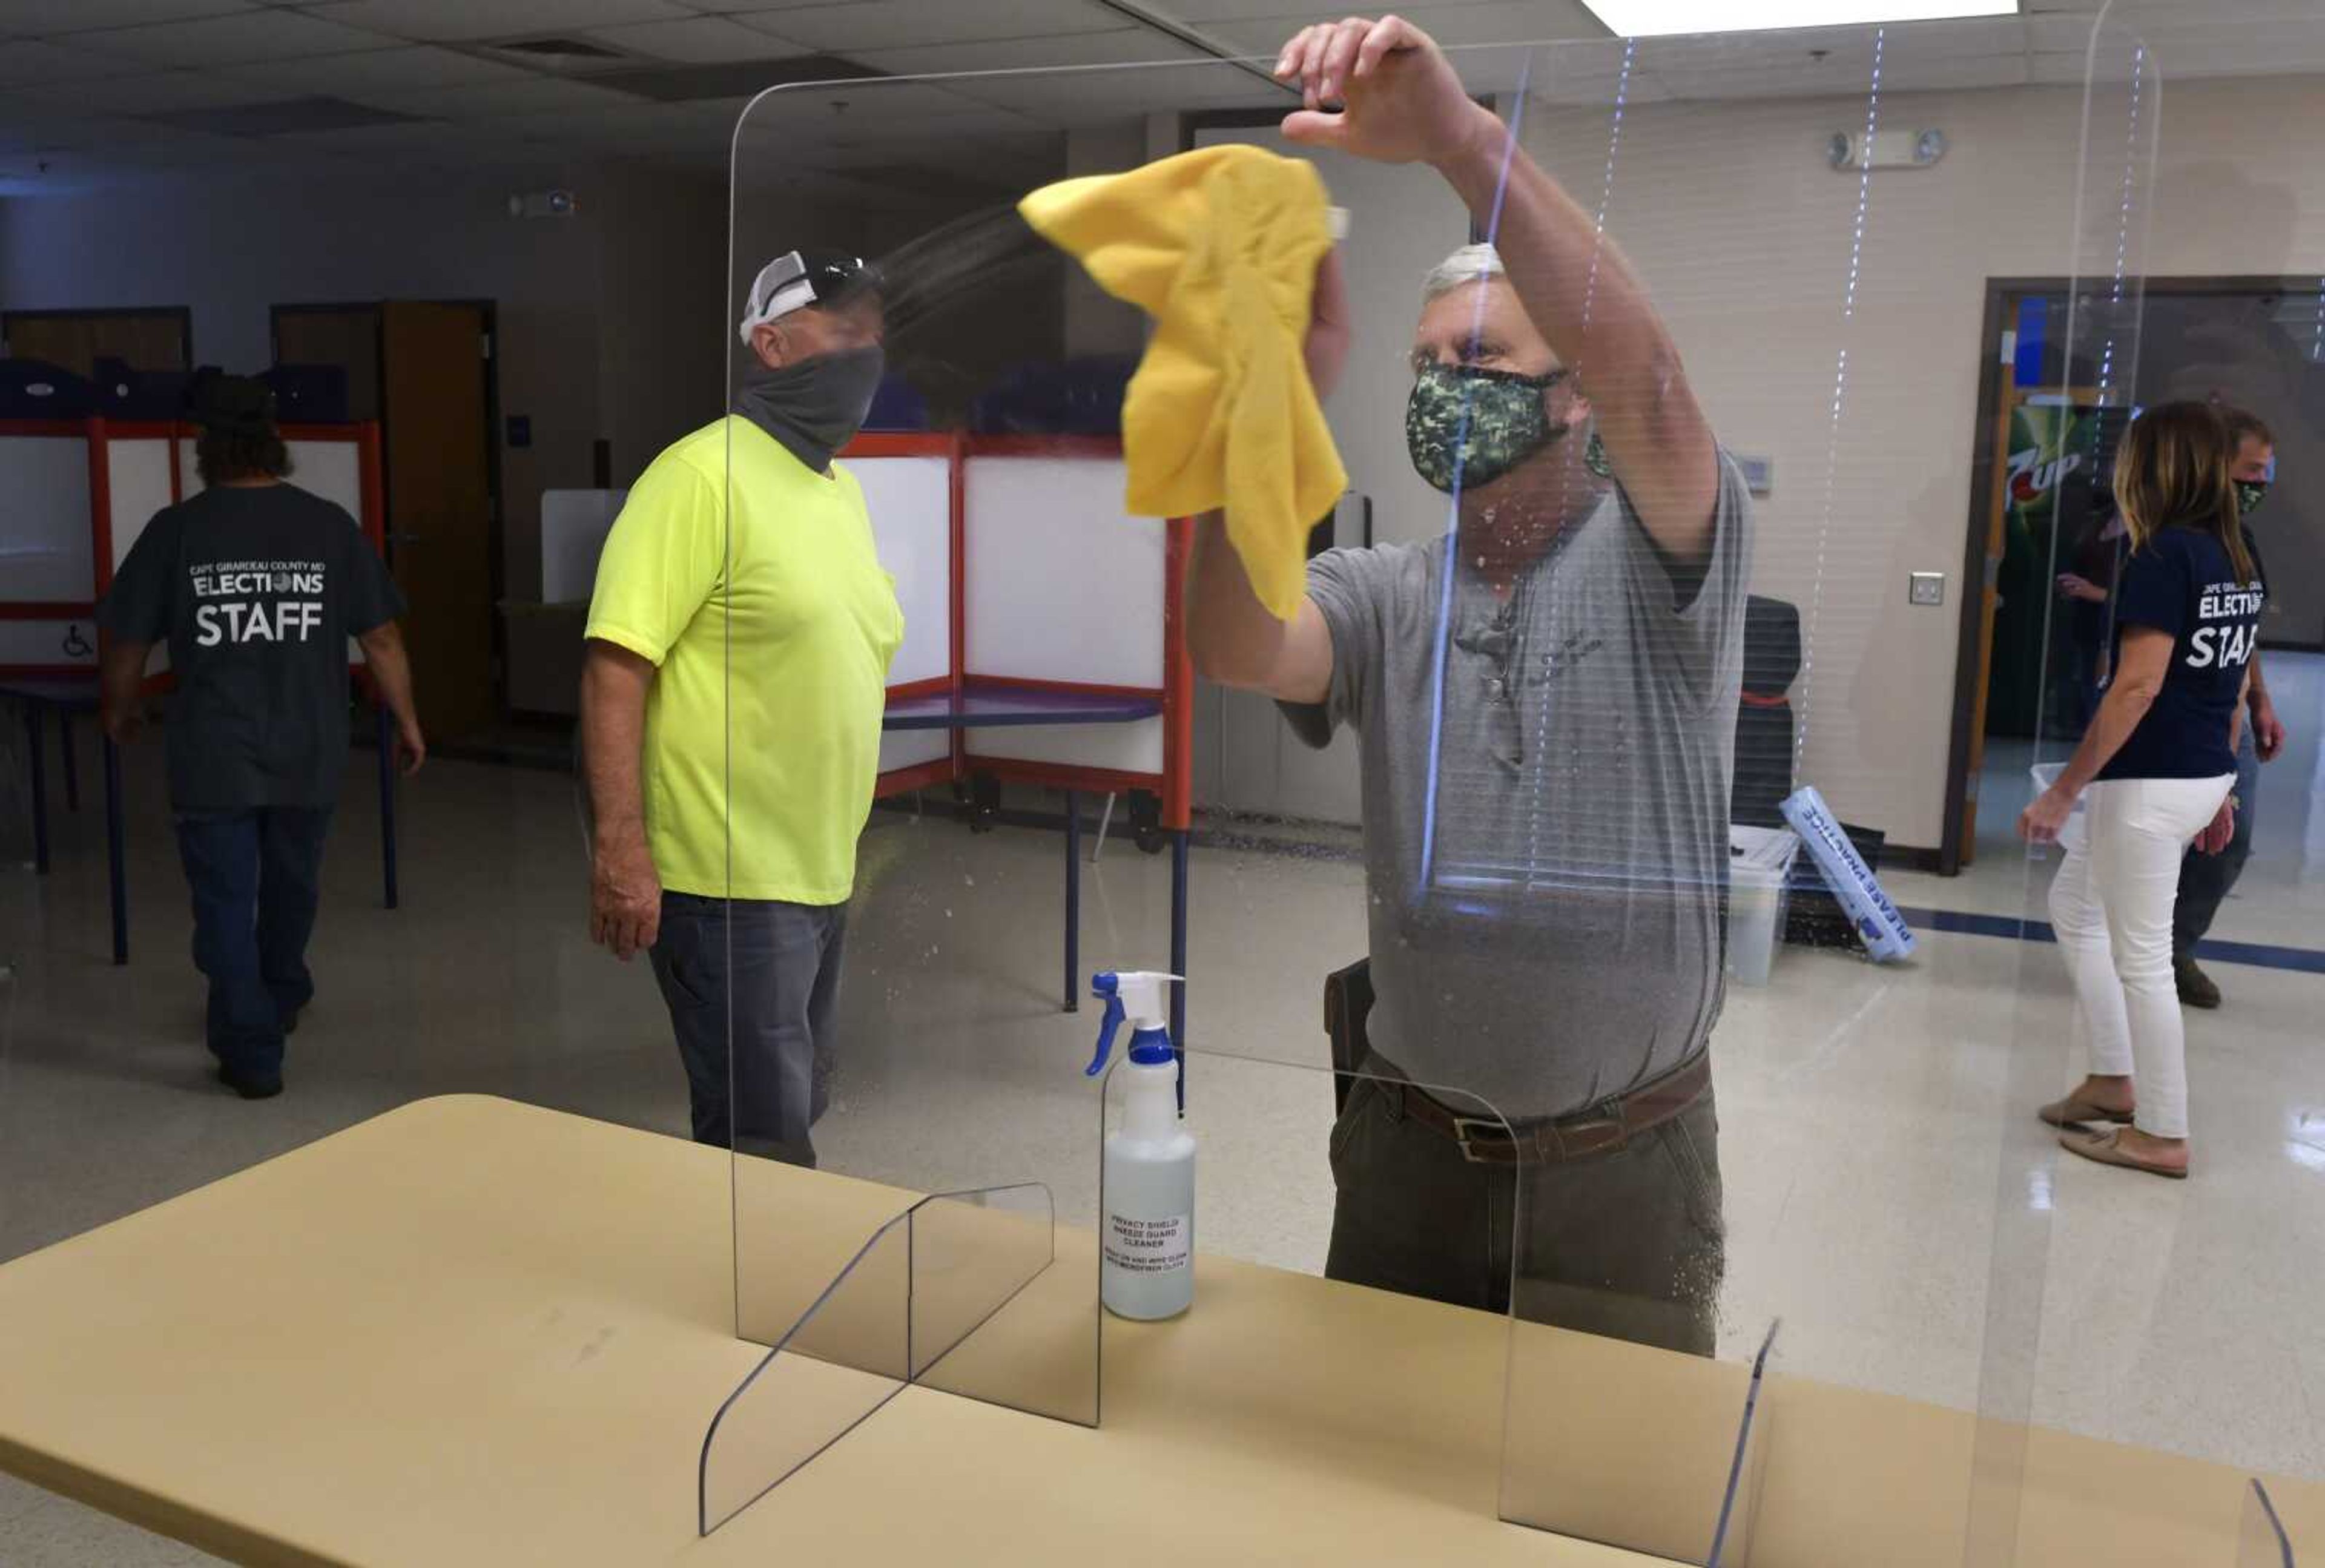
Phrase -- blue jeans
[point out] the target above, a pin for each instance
(256, 877)
(2205, 880)
(771, 971)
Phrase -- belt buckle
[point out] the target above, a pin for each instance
(1596, 1136)
(1493, 1130)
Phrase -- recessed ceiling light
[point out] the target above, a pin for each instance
(1651, 18)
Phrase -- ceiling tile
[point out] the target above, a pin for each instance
(532, 95)
(43, 18)
(817, 110)
(22, 64)
(863, 24)
(733, 7)
(1965, 36)
(1086, 97)
(78, 135)
(152, 93)
(1266, 25)
(221, 41)
(1120, 47)
(465, 146)
(601, 127)
(444, 20)
(1946, 73)
(410, 67)
(2058, 34)
(696, 41)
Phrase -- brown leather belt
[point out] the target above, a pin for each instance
(1602, 1128)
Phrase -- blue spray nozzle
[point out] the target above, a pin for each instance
(1107, 1027)
(1135, 996)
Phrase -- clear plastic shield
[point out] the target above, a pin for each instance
(934, 1297)
(1541, 786)
(2261, 1540)
(2069, 392)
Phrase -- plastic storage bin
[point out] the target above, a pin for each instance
(1759, 869)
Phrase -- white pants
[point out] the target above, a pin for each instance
(2111, 907)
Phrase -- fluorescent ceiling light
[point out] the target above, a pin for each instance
(1651, 18)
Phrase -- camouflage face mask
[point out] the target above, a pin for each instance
(2250, 494)
(1476, 425)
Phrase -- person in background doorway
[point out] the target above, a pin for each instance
(1591, 672)
(724, 811)
(256, 584)
(2089, 592)
(2208, 874)
(2154, 771)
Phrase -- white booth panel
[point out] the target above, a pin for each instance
(1063, 583)
(911, 747)
(137, 481)
(909, 500)
(1123, 747)
(332, 469)
(573, 528)
(51, 555)
(63, 641)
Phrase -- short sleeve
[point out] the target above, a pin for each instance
(1347, 588)
(137, 606)
(661, 561)
(1694, 613)
(368, 597)
(2156, 589)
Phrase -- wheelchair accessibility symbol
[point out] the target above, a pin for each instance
(75, 645)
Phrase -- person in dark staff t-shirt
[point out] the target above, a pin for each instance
(256, 584)
(2152, 774)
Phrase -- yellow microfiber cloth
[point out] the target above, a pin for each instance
(1221, 246)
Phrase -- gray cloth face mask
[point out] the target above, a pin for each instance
(815, 407)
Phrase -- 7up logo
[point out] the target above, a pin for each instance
(2030, 478)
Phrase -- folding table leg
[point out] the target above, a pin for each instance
(1073, 900)
(387, 806)
(116, 853)
(1179, 845)
(72, 761)
(32, 742)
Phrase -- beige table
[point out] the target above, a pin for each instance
(472, 1331)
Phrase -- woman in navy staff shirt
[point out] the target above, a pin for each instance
(2154, 771)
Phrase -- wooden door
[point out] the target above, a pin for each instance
(1989, 599)
(439, 524)
(2015, 485)
(346, 335)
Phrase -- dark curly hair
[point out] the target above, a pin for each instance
(238, 440)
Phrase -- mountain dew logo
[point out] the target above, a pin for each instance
(2048, 445)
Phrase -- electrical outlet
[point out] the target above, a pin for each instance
(1926, 588)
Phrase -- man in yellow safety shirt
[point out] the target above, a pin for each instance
(737, 658)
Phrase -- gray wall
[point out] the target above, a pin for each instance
(607, 318)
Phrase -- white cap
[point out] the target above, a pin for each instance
(794, 280)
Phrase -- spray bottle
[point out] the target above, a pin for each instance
(1147, 1232)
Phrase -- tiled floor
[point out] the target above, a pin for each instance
(1887, 1194)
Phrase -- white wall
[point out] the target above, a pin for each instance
(1745, 237)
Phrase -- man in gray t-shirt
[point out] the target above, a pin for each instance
(1545, 703)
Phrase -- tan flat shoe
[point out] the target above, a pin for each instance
(2073, 1111)
(2107, 1149)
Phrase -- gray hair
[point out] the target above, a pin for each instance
(1471, 264)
